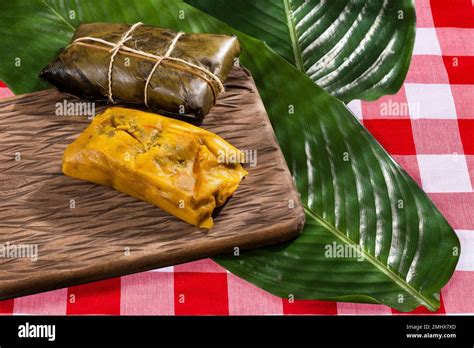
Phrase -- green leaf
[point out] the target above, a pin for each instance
(354, 193)
(354, 49)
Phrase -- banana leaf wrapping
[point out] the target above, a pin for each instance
(186, 83)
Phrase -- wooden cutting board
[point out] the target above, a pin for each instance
(85, 232)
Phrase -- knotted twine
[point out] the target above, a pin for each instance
(116, 47)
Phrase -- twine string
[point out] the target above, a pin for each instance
(125, 37)
(158, 62)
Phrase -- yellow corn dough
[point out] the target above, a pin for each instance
(183, 169)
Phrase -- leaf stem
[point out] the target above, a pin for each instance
(58, 15)
(293, 36)
(432, 306)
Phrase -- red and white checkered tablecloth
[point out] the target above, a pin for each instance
(428, 127)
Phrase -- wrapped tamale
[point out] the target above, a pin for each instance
(178, 73)
(183, 169)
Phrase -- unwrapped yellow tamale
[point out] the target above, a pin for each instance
(181, 168)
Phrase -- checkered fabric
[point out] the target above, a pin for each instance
(428, 127)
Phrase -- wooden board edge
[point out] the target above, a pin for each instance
(283, 232)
